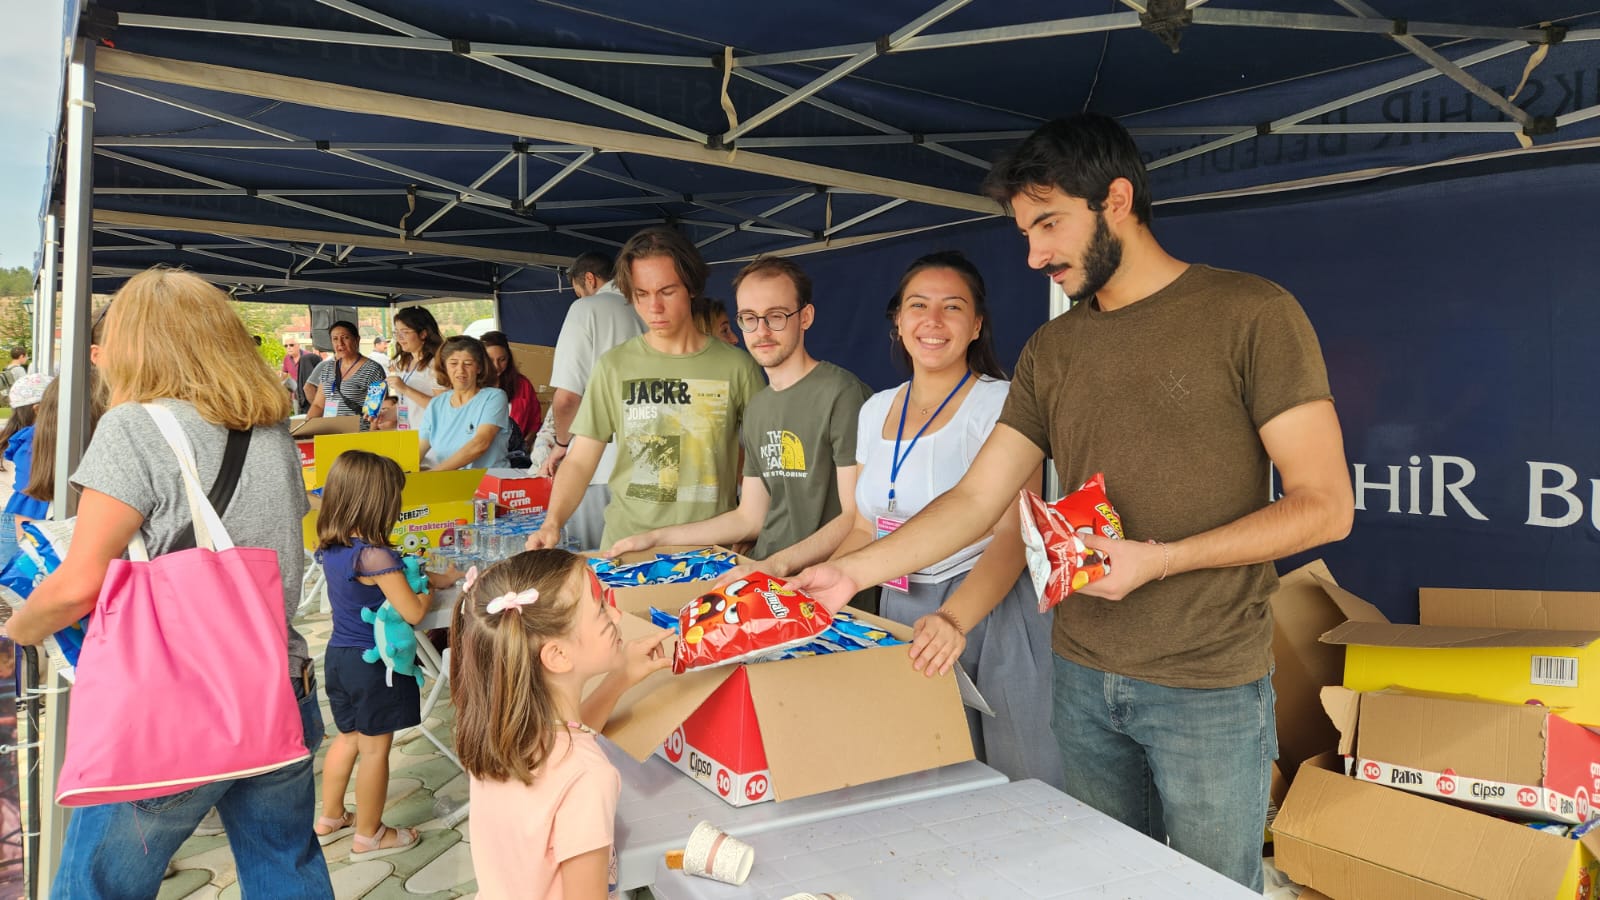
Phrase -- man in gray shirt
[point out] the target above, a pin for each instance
(797, 500)
(600, 319)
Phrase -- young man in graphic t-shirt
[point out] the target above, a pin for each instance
(672, 400)
(1183, 384)
(799, 436)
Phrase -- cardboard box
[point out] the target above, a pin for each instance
(305, 426)
(431, 506)
(404, 447)
(534, 361)
(511, 490)
(1481, 643)
(1349, 839)
(1513, 760)
(1307, 604)
(781, 730)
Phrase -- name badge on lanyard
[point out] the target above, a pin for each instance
(885, 526)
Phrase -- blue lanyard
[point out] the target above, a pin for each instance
(899, 460)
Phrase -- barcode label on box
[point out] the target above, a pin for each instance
(1557, 671)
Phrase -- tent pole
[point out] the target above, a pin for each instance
(77, 293)
(44, 351)
(1340, 103)
(1447, 68)
(843, 70)
(571, 167)
(525, 73)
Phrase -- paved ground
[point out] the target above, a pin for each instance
(438, 867)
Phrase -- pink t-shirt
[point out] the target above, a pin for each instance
(521, 833)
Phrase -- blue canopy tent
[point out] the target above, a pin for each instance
(1418, 174)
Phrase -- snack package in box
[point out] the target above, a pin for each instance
(1052, 535)
(753, 617)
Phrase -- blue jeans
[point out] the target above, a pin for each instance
(1185, 766)
(117, 850)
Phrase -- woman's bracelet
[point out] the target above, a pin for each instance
(951, 618)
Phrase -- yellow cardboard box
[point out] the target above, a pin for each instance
(1510, 646)
(404, 447)
(431, 506)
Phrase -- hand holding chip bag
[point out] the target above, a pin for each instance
(752, 617)
(1052, 536)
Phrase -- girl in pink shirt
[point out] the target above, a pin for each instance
(529, 633)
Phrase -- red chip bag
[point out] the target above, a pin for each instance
(745, 619)
(1052, 535)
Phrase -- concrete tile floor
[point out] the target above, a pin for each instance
(438, 867)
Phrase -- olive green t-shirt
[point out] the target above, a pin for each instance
(1166, 396)
(675, 420)
(795, 440)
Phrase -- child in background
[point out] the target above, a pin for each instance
(388, 418)
(527, 636)
(360, 506)
(17, 438)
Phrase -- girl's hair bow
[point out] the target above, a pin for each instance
(512, 600)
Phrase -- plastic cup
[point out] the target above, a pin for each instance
(711, 853)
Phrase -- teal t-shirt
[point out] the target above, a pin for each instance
(794, 441)
(675, 421)
(447, 428)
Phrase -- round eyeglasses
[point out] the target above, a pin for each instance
(776, 321)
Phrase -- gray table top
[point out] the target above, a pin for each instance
(660, 805)
(1016, 840)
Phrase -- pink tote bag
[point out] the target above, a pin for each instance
(183, 679)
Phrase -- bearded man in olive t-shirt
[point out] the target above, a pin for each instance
(1184, 384)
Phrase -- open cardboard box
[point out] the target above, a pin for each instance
(1519, 761)
(1352, 840)
(1511, 646)
(781, 730)
(1308, 603)
(308, 426)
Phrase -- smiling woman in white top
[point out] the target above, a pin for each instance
(914, 442)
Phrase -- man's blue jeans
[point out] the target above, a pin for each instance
(118, 850)
(1185, 766)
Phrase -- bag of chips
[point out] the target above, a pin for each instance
(1052, 536)
(753, 617)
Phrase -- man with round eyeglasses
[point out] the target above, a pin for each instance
(797, 498)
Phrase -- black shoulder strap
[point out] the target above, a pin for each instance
(221, 492)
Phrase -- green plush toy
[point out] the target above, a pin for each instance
(396, 643)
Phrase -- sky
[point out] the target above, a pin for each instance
(30, 97)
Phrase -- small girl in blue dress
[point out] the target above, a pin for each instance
(360, 506)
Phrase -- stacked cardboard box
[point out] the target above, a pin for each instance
(1480, 707)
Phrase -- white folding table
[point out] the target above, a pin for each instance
(660, 805)
(1024, 839)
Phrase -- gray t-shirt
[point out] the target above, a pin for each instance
(794, 441)
(594, 325)
(128, 459)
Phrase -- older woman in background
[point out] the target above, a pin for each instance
(462, 427)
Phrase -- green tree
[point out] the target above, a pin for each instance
(16, 282)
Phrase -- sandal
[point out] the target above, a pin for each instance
(337, 828)
(363, 847)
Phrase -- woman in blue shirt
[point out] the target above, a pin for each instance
(462, 428)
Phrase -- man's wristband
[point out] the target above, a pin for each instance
(558, 441)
